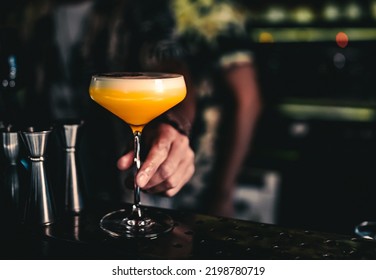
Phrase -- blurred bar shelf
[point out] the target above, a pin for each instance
(312, 34)
(332, 110)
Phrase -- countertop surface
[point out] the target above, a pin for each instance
(194, 236)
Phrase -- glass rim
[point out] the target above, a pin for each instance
(139, 75)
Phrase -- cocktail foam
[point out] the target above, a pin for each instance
(129, 81)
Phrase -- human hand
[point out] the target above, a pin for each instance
(169, 164)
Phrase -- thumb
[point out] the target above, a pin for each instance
(125, 161)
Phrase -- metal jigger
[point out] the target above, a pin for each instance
(10, 146)
(11, 188)
(40, 206)
(74, 202)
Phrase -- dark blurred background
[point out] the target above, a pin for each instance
(317, 67)
(316, 138)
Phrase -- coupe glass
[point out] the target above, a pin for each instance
(137, 98)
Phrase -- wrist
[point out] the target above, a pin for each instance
(177, 121)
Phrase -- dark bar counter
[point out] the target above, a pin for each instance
(194, 236)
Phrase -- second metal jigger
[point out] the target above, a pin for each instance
(40, 206)
(10, 146)
(73, 196)
(11, 191)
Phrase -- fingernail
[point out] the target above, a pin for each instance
(142, 180)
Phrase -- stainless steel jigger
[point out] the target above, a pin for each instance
(40, 206)
(73, 196)
(10, 143)
(10, 146)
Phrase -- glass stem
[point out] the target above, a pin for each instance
(137, 164)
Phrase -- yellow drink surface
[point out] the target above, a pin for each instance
(137, 107)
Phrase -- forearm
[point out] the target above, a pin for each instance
(244, 122)
(242, 82)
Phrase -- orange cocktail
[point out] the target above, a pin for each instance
(138, 100)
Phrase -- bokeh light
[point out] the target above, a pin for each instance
(276, 14)
(339, 60)
(303, 15)
(266, 37)
(373, 9)
(331, 12)
(353, 11)
(342, 39)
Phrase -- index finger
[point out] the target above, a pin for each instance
(157, 155)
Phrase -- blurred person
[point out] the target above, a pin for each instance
(210, 38)
(223, 67)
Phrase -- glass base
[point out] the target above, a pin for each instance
(124, 223)
(366, 230)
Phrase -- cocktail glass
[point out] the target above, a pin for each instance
(137, 98)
